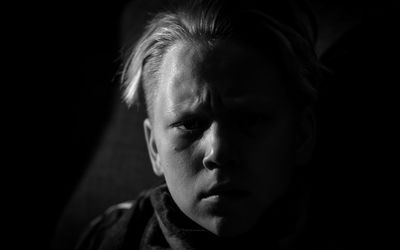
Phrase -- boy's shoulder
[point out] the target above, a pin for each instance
(108, 230)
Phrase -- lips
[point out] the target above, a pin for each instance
(225, 190)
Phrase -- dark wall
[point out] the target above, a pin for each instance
(356, 128)
(65, 56)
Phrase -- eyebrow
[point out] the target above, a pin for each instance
(188, 106)
(232, 104)
(251, 101)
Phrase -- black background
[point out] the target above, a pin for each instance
(60, 80)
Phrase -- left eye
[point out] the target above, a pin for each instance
(254, 120)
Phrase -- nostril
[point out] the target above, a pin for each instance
(216, 157)
(215, 163)
(210, 159)
(210, 165)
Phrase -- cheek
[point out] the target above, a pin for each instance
(181, 165)
(272, 142)
(271, 158)
(181, 154)
(182, 172)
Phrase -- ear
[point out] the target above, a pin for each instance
(152, 147)
(306, 136)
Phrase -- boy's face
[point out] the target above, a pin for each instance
(223, 134)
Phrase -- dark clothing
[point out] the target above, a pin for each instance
(154, 221)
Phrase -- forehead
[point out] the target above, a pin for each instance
(192, 73)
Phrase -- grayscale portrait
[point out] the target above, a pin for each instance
(225, 128)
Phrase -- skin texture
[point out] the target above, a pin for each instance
(222, 118)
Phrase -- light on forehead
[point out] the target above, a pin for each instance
(191, 74)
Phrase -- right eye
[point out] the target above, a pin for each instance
(191, 125)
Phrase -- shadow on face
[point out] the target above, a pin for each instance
(223, 134)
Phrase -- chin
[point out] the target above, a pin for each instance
(229, 227)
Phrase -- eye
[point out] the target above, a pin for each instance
(192, 125)
(255, 120)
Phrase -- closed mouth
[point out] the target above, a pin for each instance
(225, 190)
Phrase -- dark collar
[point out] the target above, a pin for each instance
(169, 228)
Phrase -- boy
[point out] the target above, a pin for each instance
(229, 92)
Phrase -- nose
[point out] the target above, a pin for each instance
(219, 147)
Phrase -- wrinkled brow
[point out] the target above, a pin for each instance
(231, 105)
(190, 104)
